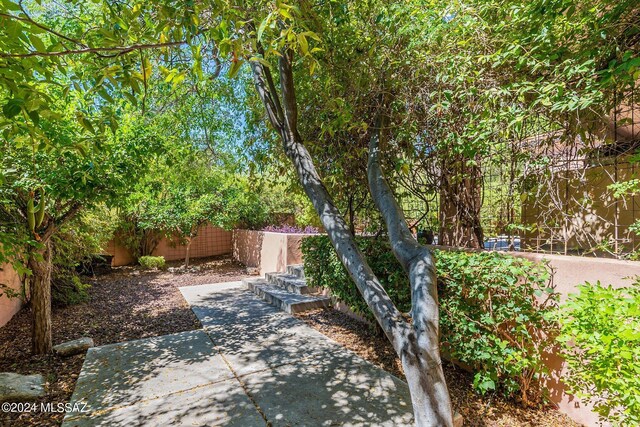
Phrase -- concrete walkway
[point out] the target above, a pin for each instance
(251, 365)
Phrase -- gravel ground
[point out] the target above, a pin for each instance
(125, 304)
(480, 411)
(129, 304)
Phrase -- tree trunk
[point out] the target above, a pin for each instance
(40, 265)
(460, 202)
(186, 258)
(419, 349)
(416, 344)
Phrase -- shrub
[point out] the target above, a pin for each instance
(151, 262)
(68, 290)
(493, 317)
(323, 269)
(490, 314)
(600, 338)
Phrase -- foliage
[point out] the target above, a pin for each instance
(493, 317)
(600, 337)
(491, 311)
(75, 172)
(151, 262)
(183, 191)
(76, 244)
(68, 290)
(82, 238)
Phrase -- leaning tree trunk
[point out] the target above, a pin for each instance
(416, 344)
(186, 257)
(40, 265)
(419, 350)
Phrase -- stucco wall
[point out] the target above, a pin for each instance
(267, 251)
(570, 271)
(210, 241)
(9, 306)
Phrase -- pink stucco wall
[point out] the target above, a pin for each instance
(210, 241)
(268, 252)
(9, 306)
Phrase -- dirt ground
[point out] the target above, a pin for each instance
(129, 303)
(478, 411)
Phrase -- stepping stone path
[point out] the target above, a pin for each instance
(250, 365)
(70, 348)
(287, 291)
(20, 388)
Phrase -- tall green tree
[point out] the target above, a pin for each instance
(44, 188)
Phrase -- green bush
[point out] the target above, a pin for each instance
(151, 262)
(323, 269)
(494, 317)
(68, 290)
(490, 314)
(600, 337)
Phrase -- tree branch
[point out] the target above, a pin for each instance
(268, 97)
(117, 50)
(288, 91)
(414, 258)
(30, 20)
(54, 226)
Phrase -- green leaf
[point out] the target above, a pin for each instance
(13, 107)
(235, 67)
(263, 26)
(37, 43)
(304, 45)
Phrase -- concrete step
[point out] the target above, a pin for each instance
(286, 301)
(296, 270)
(289, 282)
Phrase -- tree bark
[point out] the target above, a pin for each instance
(460, 202)
(419, 350)
(40, 265)
(186, 258)
(417, 344)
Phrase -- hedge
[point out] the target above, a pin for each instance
(493, 307)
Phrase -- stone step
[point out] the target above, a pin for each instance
(286, 301)
(289, 282)
(296, 270)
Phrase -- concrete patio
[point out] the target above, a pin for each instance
(250, 365)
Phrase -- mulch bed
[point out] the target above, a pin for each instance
(481, 411)
(123, 305)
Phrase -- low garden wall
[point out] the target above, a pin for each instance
(210, 241)
(267, 251)
(9, 306)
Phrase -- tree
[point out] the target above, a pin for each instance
(183, 191)
(44, 189)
